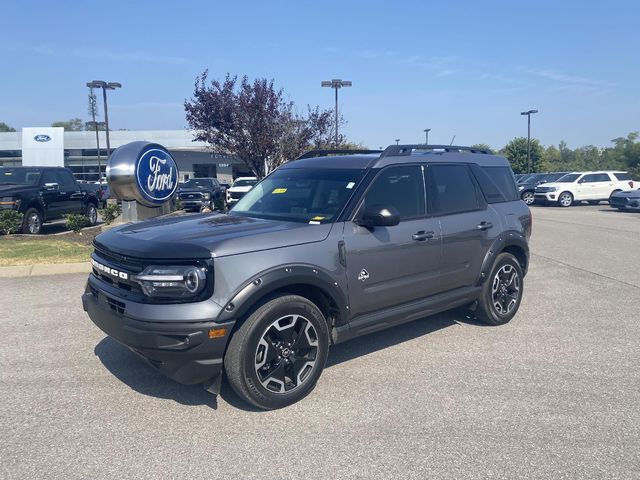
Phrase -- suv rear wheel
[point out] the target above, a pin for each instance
(502, 291)
(277, 355)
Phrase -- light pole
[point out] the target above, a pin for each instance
(92, 108)
(528, 114)
(426, 132)
(336, 84)
(397, 141)
(105, 86)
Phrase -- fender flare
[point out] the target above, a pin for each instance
(277, 278)
(507, 239)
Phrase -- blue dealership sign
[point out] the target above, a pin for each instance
(156, 174)
(144, 172)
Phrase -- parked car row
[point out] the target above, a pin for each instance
(198, 193)
(567, 188)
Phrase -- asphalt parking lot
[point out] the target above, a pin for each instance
(553, 394)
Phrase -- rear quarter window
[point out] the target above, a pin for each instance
(622, 176)
(497, 183)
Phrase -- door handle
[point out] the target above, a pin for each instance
(422, 235)
(484, 226)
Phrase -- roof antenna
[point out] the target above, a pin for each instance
(452, 139)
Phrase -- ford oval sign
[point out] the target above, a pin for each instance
(157, 175)
(42, 138)
(144, 172)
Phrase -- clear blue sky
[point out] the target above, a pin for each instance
(463, 68)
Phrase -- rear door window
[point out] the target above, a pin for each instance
(451, 189)
(622, 176)
(497, 183)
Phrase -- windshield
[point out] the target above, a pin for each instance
(524, 178)
(19, 176)
(197, 183)
(300, 195)
(244, 183)
(569, 178)
(534, 178)
(552, 177)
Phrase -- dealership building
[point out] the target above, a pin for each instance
(52, 146)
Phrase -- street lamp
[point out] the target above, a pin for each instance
(105, 86)
(92, 107)
(397, 141)
(528, 114)
(336, 84)
(426, 131)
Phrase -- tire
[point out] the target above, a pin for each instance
(32, 222)
(92, 214)
(594, 202)
(528, 198)
(502, 291)
(565, 199)
(262, 360)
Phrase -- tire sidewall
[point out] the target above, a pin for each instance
(28, 213)
(264, 397)
(496, 318)
(561, 195)
(90, 207)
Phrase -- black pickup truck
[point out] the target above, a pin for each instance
(45, 193)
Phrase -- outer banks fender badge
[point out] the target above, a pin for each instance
(363, 275)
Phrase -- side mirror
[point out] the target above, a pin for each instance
(50, 187)
(379, 216)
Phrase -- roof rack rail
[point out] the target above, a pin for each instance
(327, 152)
(400, 150)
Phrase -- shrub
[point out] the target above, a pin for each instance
(10, 221)
(77, 222)
(110, 213)
(178, 203)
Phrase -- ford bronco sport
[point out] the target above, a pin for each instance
(321, 251)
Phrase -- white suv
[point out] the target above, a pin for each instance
(240, 186)
(592, 187)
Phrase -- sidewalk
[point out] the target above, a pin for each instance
(44, 269)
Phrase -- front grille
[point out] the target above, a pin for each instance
(120, 263)
(115, 305)
(191, 196)
(545, 189)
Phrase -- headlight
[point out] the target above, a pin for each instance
(206, 196)
(180, 281)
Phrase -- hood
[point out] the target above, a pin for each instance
(628, 194)
(206, 235)
(7, 190)
(554, 184)
(246, 188)
(193, 190)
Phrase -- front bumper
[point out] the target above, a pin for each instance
(182, 351)
(195, 204)
(546, 197)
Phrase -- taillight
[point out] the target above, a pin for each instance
(631, 183)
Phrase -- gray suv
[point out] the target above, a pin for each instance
(321, 251)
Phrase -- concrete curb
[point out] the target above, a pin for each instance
(44, 269)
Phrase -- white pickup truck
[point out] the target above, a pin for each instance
(591, 187)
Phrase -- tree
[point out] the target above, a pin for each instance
(516, 153)
(482, 146)
(73, 125)
(6, 128)
(253, 121)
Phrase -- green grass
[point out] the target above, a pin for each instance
(29, 251)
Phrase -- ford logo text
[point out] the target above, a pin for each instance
(42, 138)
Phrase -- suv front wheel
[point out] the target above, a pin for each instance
(277, 355)
(502, 291)
(565, 199)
